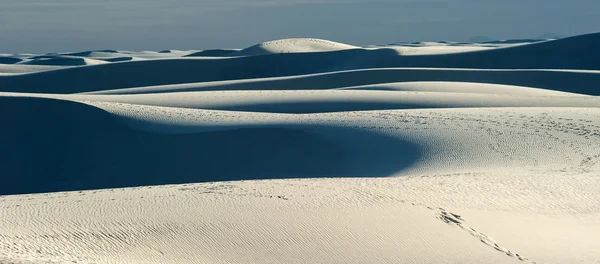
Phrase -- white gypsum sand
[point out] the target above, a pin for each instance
(303, 151)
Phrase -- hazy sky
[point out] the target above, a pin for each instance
(77, 25)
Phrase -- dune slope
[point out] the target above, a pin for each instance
(303, 151)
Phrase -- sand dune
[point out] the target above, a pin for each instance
(297, 45)
(88, 57)
(558, 80)
(303, 151)
(80, 128)
(95, 53)
(460, 87)
(347, 99)
(93, 78)
(444, 47)
(11, 69)
(570, 53)
(435, 50)
(61, 61)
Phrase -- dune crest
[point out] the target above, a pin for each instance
(293, 45)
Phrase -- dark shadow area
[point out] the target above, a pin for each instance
(211, 53)
(575, 82)
(88, 53)
(52, 145)
(57, 61)
(9, 60)
(117, 59)
(579, 52)
(323, 106)
(513, 41)
(46, 56)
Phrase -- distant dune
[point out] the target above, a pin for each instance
(303, 151)
(576, 53)
(61, 61)
(297, 45)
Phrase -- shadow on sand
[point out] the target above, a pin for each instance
(52, 145)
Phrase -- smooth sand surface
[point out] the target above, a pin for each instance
(303, 151)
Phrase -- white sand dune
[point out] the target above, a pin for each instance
(304, 151)
(295, 45)
(498, 66)
(561, 80)
(444, 47)
(347, 99)
(460, 87)
(87, 79)
(435, 50)
(88, 57)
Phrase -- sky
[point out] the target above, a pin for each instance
(41, 26)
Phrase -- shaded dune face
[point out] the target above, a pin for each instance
(118, 59)
(88, 53)
(51, 145)
(9, 60)
(211, 53)
(575, 82)
(321, 107)
(136, 74)
(57, 61)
